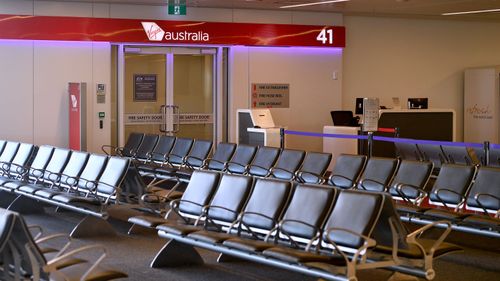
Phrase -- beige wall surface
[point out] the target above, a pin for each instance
(405, 58)
(313, 91)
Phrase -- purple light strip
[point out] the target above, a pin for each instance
(310, 134)
(495, 146)
(388, 139)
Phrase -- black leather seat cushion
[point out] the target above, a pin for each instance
(178, 229)
(483, 221)
(412, 209)
(210, 236)
(443, 214)
(13, 184)
(247, 244)
(69, 198)
(300, 256)
(147, 221)
(30, 189)
(47, 193)
(413, 252)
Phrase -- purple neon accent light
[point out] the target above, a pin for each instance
(429, 142)
(310, 134)
(495, 146)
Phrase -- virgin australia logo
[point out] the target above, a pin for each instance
(153, 31)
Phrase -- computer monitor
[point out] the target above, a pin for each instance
(418, 103)
(359, 106)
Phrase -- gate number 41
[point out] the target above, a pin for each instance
(325, 36)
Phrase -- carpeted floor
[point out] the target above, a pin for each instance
(133, 253)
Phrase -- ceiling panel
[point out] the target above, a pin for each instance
(405, 8)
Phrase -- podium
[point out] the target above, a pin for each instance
(256, 127)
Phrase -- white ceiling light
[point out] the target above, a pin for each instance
(313, 3)
(471, 12)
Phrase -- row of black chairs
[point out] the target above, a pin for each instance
(24, 256)
(441, 154)
(264, 220)
(87, 183)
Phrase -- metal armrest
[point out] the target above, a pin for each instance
(239, 222)
(313, 227)
(330, 180)
(362, 182)
(300, 178)
(188, 165)
(478, 196)
(32, 172)
(412, 237)
(56, 236)
(51, 265)
(360, 252)
(38, 228)
(451, 191)
(209, 160)
(103, 148)
(421, 193)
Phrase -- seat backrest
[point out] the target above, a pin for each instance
(434, 153)
(25, 248)
(230, 195)
(113, 175)
(266, 203)
(354, 211)
(93, 169)
(133, 142)
(57, 162)
(199, 152)
(199, 191)
(346, 171)
(23, 156)
(377, 174)
(74, 167)
(288, 163)
(265, 157)
(314, 166)
(452, 184)
(456, 154)
(2, 145)
(494, 157)
(163, 148)
(222, 154)
(147, 146)
(407, 151)
(411, 176)
(42, 158)
(180, 150)
(485, 191)
(9, 152)
(242, 157)
(309, 206)
(6, 225)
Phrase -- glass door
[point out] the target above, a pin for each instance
(159, 78)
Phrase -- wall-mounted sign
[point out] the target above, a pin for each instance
(177, 7)
(144, 87)
(186, 32)
(270, 95)
(157, 118)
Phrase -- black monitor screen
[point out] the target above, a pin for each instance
(417, 103)
(359, 106)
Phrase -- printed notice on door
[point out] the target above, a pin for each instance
(144, 87)
(270, 95)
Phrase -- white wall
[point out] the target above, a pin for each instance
(392, 57)
(313, 91)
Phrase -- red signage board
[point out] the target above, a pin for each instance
(74, 116)
(172, 32)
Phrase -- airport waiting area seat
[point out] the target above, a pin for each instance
(23, 259)
(321, 241)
